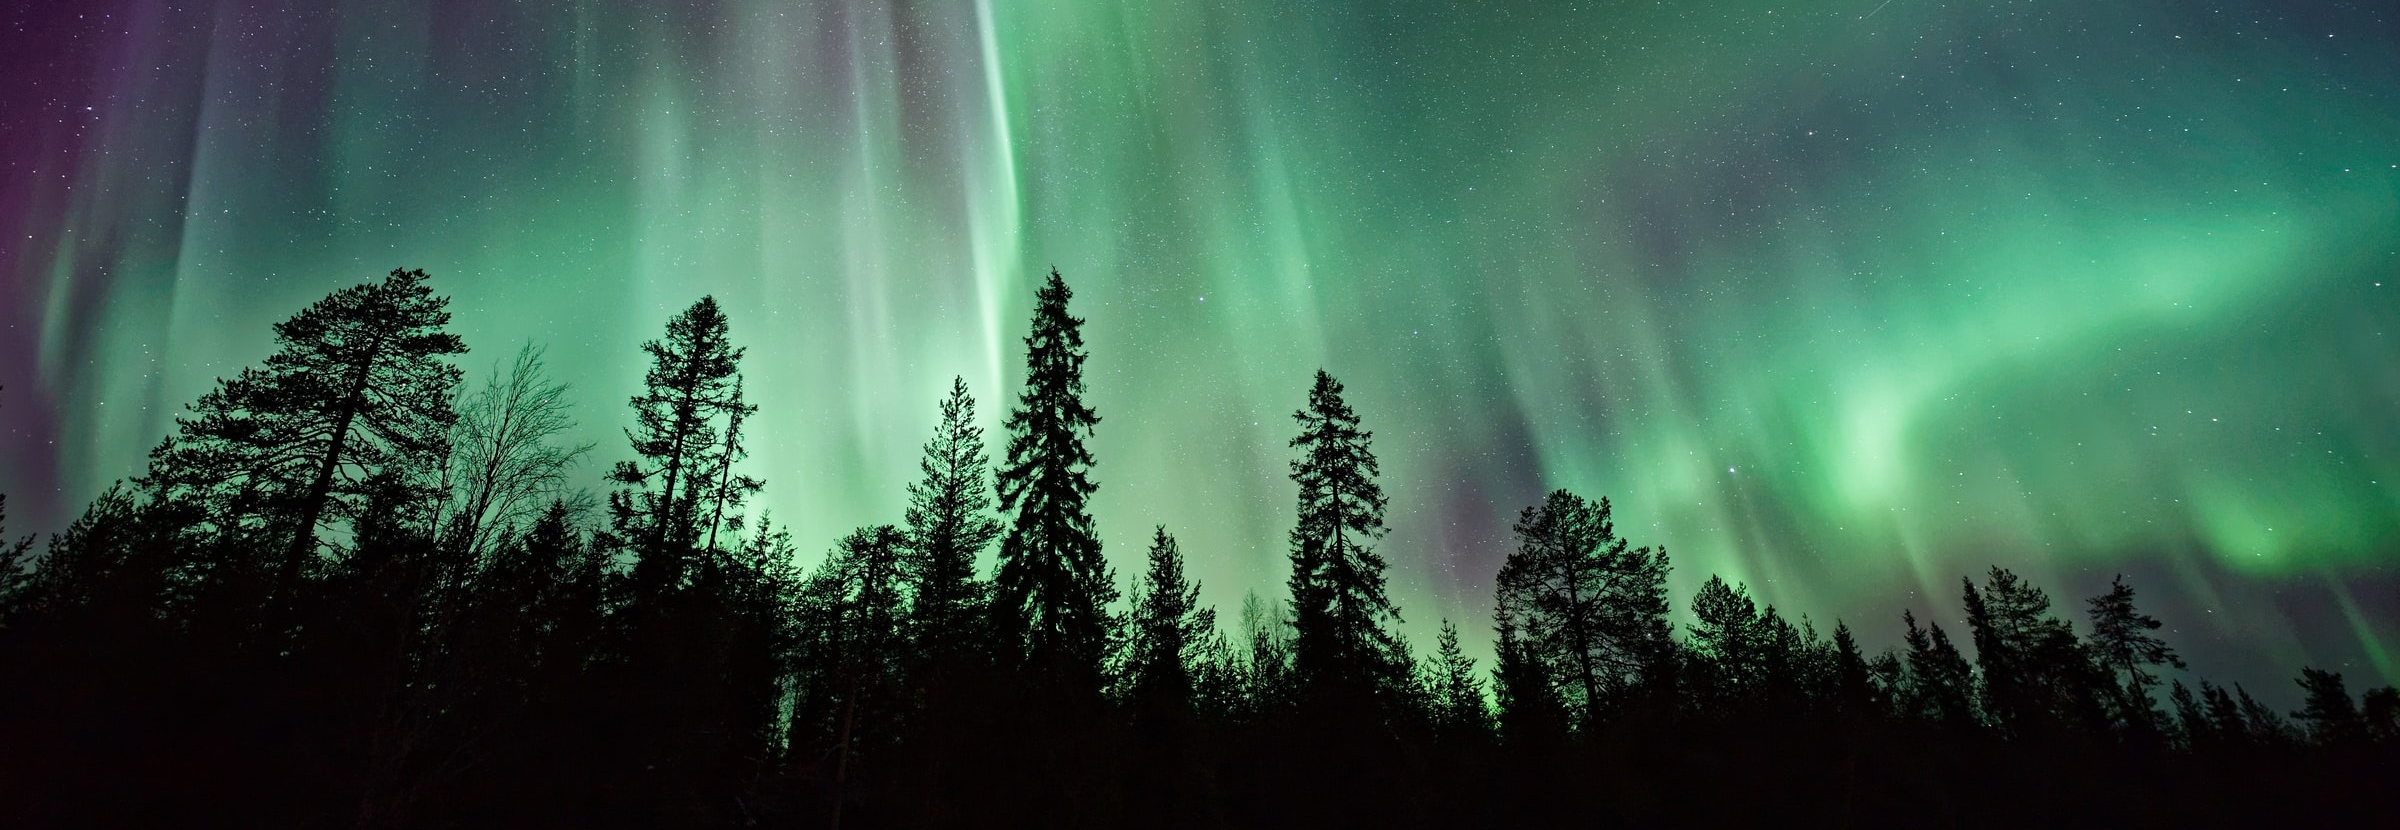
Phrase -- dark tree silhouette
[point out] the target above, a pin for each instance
(727, 490)
(1341, 615)
(504, 460)
(1941, 684)
(850, 702)
(2037, 676)
(693, 382)
(2122, 641)
(949, 525)
(1726, 640)
(1455, 691)
(1585, 603)
(2379, 713)
(1052, 591)
(2332, 717)
(1530, 711)
(1169, 630)
(357, 387)
(451, 641)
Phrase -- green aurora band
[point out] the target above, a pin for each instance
(1841, 300)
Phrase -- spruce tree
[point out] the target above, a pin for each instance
(692, 385)
(1170, 629)
(1459, 709)
(1725, 635)
(1052, 590)
(357, 387)
(2122, 641)
(1585, 602)
(1531, 714)
(1341, 615)
(1853, 677)
(949, 524)
(1942, 685)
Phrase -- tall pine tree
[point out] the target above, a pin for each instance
(1341, 615)
(692, 385)
(1169, 629)
(357, 391)
(1585, 603)
(949, 524)
(2122, 641)
(1052, 590)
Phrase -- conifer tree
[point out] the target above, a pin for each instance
(727, 490)
(1052, 590)
(1942, 684)
(2036, 674)
(357, 387)
(2122, 641)
(1169, 628)
(2191, 717)
(16, 570)
(1585, 602)
(1854, 678)
(1341, 614)
(2331, 715)
(851, 612)
(1725, 637)
(693, 383)
(949, 524)
(1455, 691)
(1530, 711)
(1267, 676)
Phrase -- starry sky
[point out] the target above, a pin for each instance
(1843, 300)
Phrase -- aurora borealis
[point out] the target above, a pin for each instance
(1842, 300)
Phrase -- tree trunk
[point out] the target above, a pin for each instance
(304, 541)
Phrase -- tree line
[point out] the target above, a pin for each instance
(349, 591)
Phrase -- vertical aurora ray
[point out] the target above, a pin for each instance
(1844, 305)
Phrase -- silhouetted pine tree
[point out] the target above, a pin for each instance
(693, 382)
(693, 675)
(2191, 719)
(949, 525)
(851, 695)
(1342, 644)
(1853, 679)
(1268, 684)
(2122, 641)
(1584, 603)
(727, 490)
(1169, 631)
(1941, 683)
(1726, 640)
(357, 386)
(16, 568)
(1531, 715)
(1052, 590)
(2332, 717)
(2037, 677)
(2265, 726)
(1460, 711)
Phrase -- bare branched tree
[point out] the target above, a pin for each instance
(506, 465)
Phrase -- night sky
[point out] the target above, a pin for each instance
(1843, 300)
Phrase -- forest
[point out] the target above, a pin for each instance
(353, 590)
